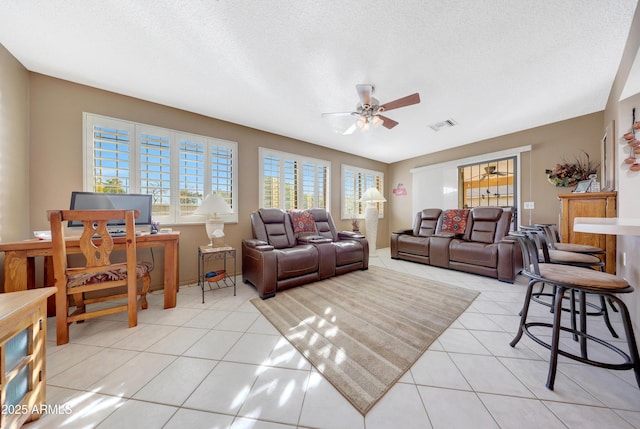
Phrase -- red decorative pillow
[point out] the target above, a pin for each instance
(303, 222)
(455, 221)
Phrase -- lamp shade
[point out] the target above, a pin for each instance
(372, 195)
(213, 204)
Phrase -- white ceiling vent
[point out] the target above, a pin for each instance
(448, 123)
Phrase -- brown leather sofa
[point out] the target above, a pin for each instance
(484, 247)
(275, 259)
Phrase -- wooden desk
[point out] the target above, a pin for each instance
(19, 261)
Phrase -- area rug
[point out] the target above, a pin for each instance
(365, 329)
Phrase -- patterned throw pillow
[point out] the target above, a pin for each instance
(303, 223)
(455, 221)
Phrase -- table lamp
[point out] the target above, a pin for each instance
(213, 205)
(371, 196)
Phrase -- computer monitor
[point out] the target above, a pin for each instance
(102, 201)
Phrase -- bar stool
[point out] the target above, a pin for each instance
(583, 281)
(553, 239)
(582, 260)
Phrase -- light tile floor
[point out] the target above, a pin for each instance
(222, 365)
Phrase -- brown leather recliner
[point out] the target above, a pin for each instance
(275, 259)
(414, 243)
(484, 248)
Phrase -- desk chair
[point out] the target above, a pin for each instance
(99, 273)
(581, 281)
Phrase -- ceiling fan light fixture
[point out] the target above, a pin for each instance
(376, 121)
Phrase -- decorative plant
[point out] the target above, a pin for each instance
(569, 174)
(355, 224)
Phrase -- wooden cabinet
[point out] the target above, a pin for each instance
(23, 338)
(590, 204)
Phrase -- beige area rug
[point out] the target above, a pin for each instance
(365, 329)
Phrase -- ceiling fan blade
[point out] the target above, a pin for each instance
(387, 122)
(329, 115)
(401, 102)
(364, 93)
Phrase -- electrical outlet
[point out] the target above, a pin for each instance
(529, 205)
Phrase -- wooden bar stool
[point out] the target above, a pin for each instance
(582, 281)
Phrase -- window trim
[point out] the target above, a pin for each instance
(263, 151)
(89, 120)
(346, 212)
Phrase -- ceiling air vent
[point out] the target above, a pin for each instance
(448, 123)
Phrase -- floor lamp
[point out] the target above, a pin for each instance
(212, 206)
(371, 197)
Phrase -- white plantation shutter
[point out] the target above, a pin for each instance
(110, 156)
(155, 172)
(292, 181)
(222, 171)
(270, 181)
(177, 168)
(191, 176)
(355, 181)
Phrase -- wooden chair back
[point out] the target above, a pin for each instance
(96, 245)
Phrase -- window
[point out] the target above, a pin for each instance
(355, 181)
(489, 183)
(177, 168)
(293, 181)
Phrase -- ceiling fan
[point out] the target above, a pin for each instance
(491, 170)
(368, 110)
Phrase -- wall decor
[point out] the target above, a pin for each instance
(633, 143)
(570, 173)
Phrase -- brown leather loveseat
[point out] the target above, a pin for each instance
(278, 257)
(482, 245)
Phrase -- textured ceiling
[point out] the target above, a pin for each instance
(494, 66)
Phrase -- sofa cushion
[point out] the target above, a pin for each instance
(277, 225)
(426, 222)
(484, 224)
(455, 221)
(413, 245)
(296, 261)
(348, 252)
(473, 253)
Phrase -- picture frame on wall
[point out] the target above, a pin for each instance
(607, 156)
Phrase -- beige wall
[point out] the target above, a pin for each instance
(551, 144)
(14, 148)
(56, 157)
(14, 151)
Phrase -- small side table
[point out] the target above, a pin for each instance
(206, 253)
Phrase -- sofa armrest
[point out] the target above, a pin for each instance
(313, 239)
(403, 231)
(257, 244)
(259, 266)
(445, 235)
(349, 235)
(509, 259)
(439, 250)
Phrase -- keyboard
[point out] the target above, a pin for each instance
(121, 233)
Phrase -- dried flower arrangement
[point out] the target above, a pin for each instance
(569, 174)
